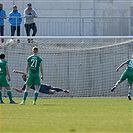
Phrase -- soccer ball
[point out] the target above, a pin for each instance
(11, 41)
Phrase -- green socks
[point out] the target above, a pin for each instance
(25, 95)
(9, 95)
(116, 84)
(129, 92)
(35, 96)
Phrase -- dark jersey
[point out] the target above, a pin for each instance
(43, 88)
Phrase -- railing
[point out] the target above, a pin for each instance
(78, 26)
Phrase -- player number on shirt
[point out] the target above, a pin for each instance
(130, 64)
(33, 63)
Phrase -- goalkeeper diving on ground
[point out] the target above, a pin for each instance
(127, 74)
(46, 89)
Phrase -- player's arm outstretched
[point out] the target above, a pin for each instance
(24, 78)
(20, 72)
(124, 63)
(18, 90)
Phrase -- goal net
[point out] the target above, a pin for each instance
(84, 65)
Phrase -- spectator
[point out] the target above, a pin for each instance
(29, 15)
(2, 17)
(15, 21)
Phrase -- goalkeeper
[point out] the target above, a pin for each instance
(46, 89)
(127, 74)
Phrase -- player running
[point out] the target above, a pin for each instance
(46, 89)
(127, 74)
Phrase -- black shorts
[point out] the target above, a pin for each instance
(44, 89)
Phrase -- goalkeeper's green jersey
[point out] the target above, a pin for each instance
(34, 62)
(130, 65)
(3, 64)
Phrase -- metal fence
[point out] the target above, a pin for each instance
(79, 26)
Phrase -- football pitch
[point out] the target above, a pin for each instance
(67, 115)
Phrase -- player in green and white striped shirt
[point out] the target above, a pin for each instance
(127, 74)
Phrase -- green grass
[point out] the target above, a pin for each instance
(68, 115)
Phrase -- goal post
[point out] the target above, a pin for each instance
(85, 65)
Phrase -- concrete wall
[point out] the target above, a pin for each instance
(74, 7)
(77, 8)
